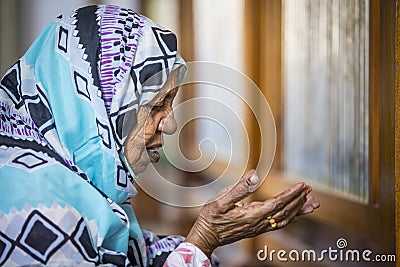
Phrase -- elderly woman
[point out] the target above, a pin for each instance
(82, 112)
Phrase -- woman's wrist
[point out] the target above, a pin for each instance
(198, 240)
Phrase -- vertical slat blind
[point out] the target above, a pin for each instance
(325, 80)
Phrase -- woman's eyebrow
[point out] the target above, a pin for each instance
(169, 95)
(160, 101)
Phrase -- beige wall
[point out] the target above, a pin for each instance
(22, 20)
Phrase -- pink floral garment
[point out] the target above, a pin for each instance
(187, 255)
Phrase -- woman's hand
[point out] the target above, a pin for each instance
(225, 219)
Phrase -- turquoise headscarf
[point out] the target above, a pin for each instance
(66, 108)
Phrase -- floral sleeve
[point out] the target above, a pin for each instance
(187, 255)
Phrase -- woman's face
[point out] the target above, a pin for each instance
(142, 144)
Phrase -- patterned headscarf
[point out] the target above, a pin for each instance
(66, 108)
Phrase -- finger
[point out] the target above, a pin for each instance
(291, 216)
(239, 204)
(220, 194)
(308, 207)
(281, 222)
(286, 214)
(292, 193)
(315, 204)
(275, 204)
(294, 206)
(238, 192)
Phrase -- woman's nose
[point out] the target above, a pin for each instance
(168, 124)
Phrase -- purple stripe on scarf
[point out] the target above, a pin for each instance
(108, 35)
(20, 123)
(110, 39)
(110, 54)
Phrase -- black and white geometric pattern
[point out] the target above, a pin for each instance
(40, 110)
(82, 240)
(11, 84)
(28, 154)
(6, 247)
(122, 178)
(151, 74)
(62, 42)
(35, 237)
(40, 237)
(166, 40)
(35, 137)
(120, 213)
(125, 122)
(81, 85)
(29, 160)
(104, 133)
(87, 30)
(117, 259)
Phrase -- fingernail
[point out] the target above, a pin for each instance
(254, 179)
(252, 182)
(309, 189)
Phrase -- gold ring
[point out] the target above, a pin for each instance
(271, 221)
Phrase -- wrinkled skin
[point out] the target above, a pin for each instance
(225, 219)
(153, 120)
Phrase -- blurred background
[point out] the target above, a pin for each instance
(326, 68)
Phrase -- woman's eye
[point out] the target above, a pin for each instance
(158, 106)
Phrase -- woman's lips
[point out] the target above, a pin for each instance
(153, 154)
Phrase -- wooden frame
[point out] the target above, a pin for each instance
(397, 134)
(335, 210)
(363, 221)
